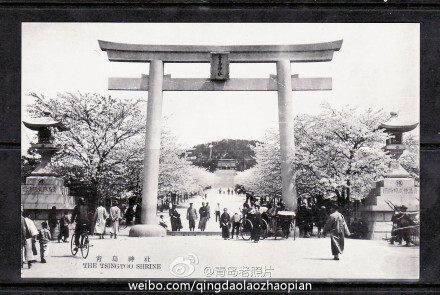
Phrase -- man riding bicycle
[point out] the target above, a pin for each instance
(80, 216)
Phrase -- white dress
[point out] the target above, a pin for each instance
(28, 253)
(100, 218)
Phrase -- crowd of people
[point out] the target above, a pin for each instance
(84, 219)
(101, 220)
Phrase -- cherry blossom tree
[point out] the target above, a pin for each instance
(101, 155)
(338, 153)
(102, 137)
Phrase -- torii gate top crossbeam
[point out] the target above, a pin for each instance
(318, 52)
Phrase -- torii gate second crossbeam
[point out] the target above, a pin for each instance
(219, 57)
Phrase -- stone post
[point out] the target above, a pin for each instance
(149, 227)
(287, 132)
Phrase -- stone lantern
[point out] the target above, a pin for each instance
(45, 146)
(43, 189)
(394, 145)
(397, 188)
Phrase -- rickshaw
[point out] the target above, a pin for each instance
(412, 226)
(279, 225)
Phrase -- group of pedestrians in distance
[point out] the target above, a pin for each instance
(229, 191)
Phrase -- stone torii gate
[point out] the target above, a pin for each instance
(219, 57)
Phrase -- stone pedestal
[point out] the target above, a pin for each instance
(40, 193)
(377, 213)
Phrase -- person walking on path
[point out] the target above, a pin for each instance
(64, 228)
(44, 237)
(138, 213)
(321, 219)
(115, 216)
(129, 214)
(236, 218)
(225, 223)
(217, 212)
(30, 235)
(208, 210)
(53, 222)
(203, 217)
(100, 217)
(176, 223)
(255, 217)
(338, 229)
(191, 216)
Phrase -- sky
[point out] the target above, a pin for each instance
(377, 67)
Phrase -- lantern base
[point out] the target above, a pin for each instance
(147, 230)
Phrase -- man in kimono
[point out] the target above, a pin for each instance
(337, 227)
(203, 217)
(191, 216)
(224, 224)
(256, 220)
(115, 216)
(100, 217)
(176, 223)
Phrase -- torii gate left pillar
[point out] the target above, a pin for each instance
(219, 57)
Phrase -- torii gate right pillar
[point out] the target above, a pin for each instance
(287, 133)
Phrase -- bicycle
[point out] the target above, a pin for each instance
(84, 244)
(246, 229)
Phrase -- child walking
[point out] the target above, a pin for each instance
(64, 228)
(44, 237)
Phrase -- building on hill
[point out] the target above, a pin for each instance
(227, 164)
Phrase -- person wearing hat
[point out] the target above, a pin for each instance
(80, 216)
(191, 216)
(338, 229)
(115, 216)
